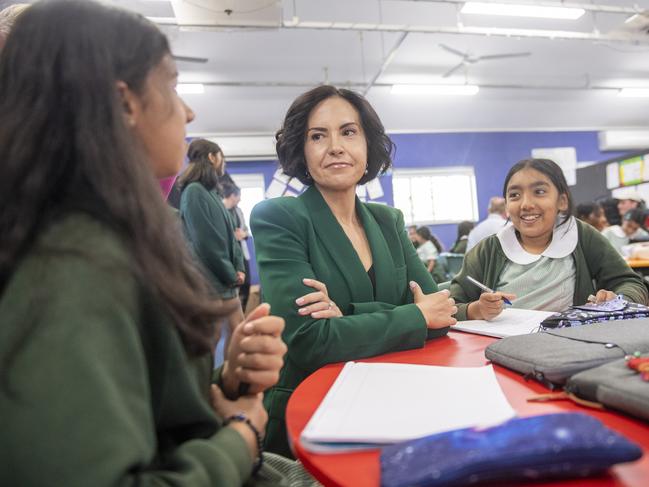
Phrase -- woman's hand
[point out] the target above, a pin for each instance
(437, 308)
(488, 306)
(604, 295)
(251, 406)
(317, 304)
(256, 352)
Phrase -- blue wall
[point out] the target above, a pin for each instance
(490, 153)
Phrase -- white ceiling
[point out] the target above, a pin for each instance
(253, 74)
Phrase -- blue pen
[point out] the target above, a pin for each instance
(485, 288)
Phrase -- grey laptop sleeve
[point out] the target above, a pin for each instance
(614, 385)
(553, 356)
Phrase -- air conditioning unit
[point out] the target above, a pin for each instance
(246, 147)
(612, 140)
(213, 13)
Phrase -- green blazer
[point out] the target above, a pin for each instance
(300, 237)
(209, 228)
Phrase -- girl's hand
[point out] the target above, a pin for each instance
(317, 304)
(438, 308)
(488, 306)
(604, 295)
(256, 352)
(251, 406)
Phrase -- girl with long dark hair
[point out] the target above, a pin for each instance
(107, 327)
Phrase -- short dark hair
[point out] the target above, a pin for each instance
(291, 137)
(584, 210)
(636, 215)
(229, 189)
(200, 169)
(552, 170)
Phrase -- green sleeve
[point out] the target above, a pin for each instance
(609, 269)
(283, 261)
(208, 230)
(462, 291)
(81, 406)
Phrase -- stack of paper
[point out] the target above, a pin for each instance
(510, 322)
(373, 404)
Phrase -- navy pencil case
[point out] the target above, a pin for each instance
(538, 447)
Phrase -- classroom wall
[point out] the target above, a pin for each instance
(490, 153)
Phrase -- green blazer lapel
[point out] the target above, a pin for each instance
(339, 247)
(384, 268)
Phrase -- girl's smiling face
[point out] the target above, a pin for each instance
(533, 203)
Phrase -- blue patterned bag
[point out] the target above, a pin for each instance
(538, 447)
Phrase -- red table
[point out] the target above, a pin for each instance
(462, 350)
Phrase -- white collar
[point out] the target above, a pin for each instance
(617, 231)
(495, 215)
(564, 242)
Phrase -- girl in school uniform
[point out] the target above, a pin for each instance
(547, 259)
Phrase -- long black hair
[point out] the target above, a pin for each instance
(200, 168)
(426, 234)
(65, 146)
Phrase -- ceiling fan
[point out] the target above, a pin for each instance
(467, 58)
(190, 59)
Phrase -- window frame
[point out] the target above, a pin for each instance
(413, 173)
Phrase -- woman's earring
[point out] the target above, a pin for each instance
(306, 172)
(367, 168)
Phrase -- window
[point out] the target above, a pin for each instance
(432, 196)
(252, 192)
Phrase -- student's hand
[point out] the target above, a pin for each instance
(251, 406)
(317, 304)
(437, 308)
(241, 278)
(256, 352)
(604, 295)
(488, 306)
(240, 234)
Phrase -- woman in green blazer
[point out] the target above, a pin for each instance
(209, 228)
(342, 273)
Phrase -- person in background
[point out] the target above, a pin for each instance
(630, 231)
(496, 220)
(342, 273)
(412, 235)
(463, 229)
(95, 276)
(8, 17)
(593, 214)
(429, 247)
(627, 200)
(231, 195)
(209, 228)
(547, 259)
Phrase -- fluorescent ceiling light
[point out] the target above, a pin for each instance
(462, 90)
(190, 88)
(522, 10)
(634, 92)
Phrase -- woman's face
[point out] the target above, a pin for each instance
(335, 149)
(159, 118)
(533, 204)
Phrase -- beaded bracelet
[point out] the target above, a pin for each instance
(242, 418)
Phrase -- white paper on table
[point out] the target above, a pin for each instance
(374, 189)
(371, 404)
(280, 176)
(612, 175)
(275, 189)
(296, 184)
(510, 322)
